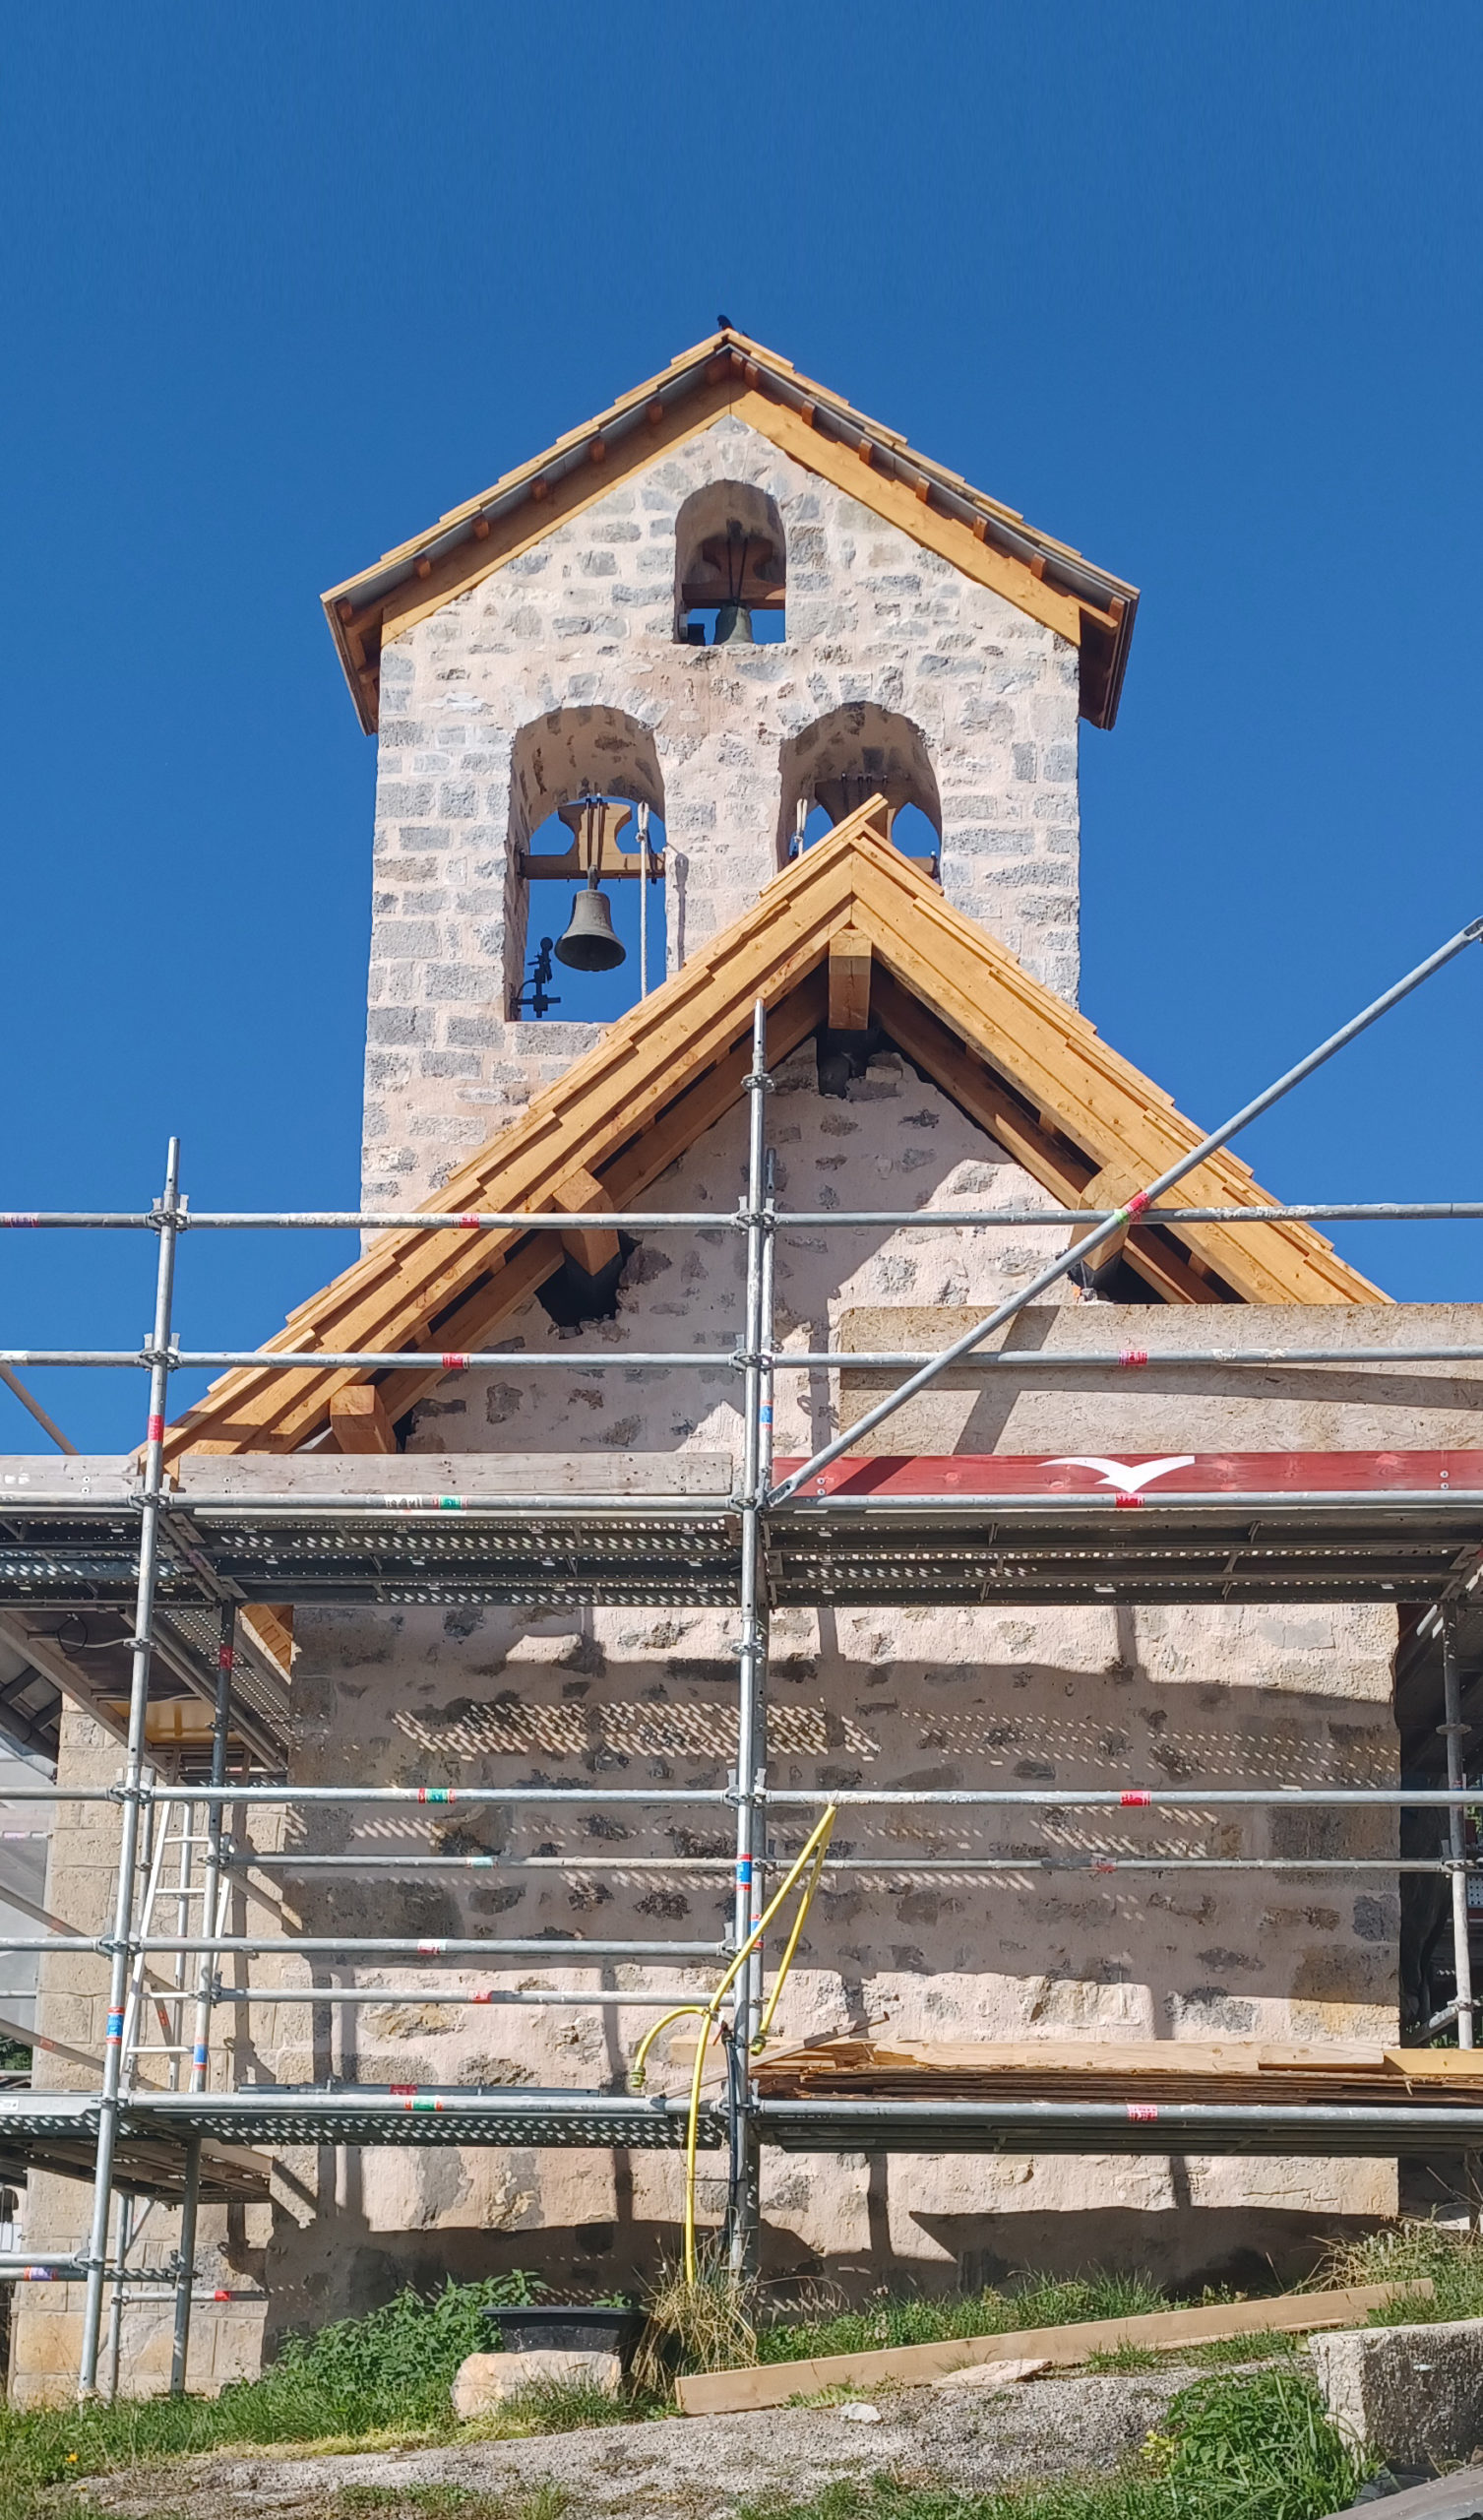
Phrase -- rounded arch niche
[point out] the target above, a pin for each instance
(584, 753)
(855, 752)
(731, 552)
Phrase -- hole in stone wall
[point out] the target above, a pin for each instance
(730, 568)
(609, 843)
(843, 759)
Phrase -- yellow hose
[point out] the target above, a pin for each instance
(810, 1859)
(786, 1962)
(636, 2070)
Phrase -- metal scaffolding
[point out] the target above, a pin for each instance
(181, 1561)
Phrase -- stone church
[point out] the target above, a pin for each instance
(836, 696)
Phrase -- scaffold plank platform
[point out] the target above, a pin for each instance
(1386, 2132)
(57, 2131)
(915, 1531)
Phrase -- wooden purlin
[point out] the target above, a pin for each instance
(639, 1097)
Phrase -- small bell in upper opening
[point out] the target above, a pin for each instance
(590, 944)
(734, 626)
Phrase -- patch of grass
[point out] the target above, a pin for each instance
(545, 2501)
(1128, 2357)
(1215, 2354)
(1262, 2345)
(1402, 2253)
(549, 2405)
(385, 2378)
(930, 2320)
(708, 2325)
(1261, 2446)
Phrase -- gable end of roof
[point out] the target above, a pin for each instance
(1047, 579)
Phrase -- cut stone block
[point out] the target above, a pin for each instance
(1415, 2393)
(486, 2380)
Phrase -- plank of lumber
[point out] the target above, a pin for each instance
(582, 1194)
(358, 1420)
(1293, 2314)
(848, 981)
(272, 1626)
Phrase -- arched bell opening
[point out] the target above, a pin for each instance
(840, 761)
(586, 880)
(730, 568)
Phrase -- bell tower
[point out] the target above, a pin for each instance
(702, 627)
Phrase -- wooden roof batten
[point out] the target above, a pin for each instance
(1027, 1068)
(1047, 579)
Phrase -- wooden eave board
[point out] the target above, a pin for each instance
(389, 596)
(607, 1116)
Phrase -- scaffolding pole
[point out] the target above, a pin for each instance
(167, 1218)
(697, 1219)
(216, 1880)
(1453, 1730)
(744, 2202)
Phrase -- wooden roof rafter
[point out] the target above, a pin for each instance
(1031, 1071)
(988, 542)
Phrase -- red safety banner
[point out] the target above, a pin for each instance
(1150, 1476)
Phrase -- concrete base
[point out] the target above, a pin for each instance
(1415, 2393)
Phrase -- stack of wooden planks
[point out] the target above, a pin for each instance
(1169, 2070)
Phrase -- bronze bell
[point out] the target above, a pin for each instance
(734, 626)
(590, 944)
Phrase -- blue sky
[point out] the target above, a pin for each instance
(1195, 289)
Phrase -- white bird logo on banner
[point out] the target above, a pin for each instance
(1126, 1477)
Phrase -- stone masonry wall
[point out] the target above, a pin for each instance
(583, 623)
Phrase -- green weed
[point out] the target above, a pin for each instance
(922, 2320)
(1402, 2253)
(549, 2405)
(1127, 2358)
